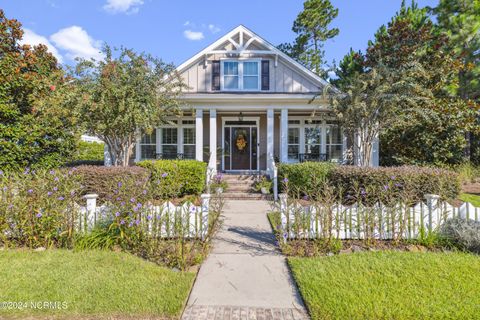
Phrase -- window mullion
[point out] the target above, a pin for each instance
(240, 75)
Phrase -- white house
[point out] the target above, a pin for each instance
(249, 103)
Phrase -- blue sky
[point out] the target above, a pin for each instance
(175, 30)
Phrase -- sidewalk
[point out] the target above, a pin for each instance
(245, 276)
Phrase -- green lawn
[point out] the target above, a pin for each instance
(93, 284)
(390, 285)
(472, 198)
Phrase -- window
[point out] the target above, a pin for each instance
(293, 143)
(313, 139)
(334, 141)
(169, 143)
(189, 143)
(241, 75)
(148, 146)
(230, 75)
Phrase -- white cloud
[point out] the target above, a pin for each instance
(122, 6)
(213, 28)
(31, 38)
(77, 43)
(193, 35)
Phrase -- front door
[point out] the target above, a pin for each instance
(240, 146)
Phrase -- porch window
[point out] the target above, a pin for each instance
(313, 139)
(169, 143)
(240, 75)
(189, 143)
(148, 145)
(334, 141)
(293, 143)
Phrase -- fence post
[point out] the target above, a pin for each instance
(204, 214)
(432, 206)
(91, 212)
(284, 214)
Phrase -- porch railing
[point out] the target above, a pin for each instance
(318, 157)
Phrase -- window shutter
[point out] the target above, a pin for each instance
(265, 75)
(216, 75)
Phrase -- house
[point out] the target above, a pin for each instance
(249, 103)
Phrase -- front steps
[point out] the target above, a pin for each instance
(240, 187)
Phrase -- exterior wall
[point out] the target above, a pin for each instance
(283, 78)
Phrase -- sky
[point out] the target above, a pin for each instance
(175, 30)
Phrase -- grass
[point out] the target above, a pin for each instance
(93, 284)
(472, 198)
(390, 285)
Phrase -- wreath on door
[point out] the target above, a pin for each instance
(240, 142)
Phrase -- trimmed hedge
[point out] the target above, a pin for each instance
(185, 177)
(374, 183)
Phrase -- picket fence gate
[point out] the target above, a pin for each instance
(164, 221)
(358, 221)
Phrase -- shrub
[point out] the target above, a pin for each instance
(372, 184)
(90, 151)
(104, 180)
(37, 208)
(176, 178)
(304, 177)
(462, 233)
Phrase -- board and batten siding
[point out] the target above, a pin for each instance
(283, 78)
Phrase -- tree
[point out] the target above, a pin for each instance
(352, 64)
(437, 133)
(36, 127)
(311, 27)
(125, 94)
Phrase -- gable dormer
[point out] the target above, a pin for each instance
(242, 61)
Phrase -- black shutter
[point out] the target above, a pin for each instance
(216, 75)
(265, 75)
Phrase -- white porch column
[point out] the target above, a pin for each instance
(213, 137)
(284, 135)
(270, 126)
(199, 134)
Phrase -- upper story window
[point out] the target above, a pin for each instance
(240, 75)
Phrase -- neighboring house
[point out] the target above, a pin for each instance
(88, 138)
(250, 103)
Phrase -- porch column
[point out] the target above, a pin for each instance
(284, 135)
(199, 134)
(213, 137)
(270, 126)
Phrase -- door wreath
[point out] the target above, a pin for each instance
(240, 142)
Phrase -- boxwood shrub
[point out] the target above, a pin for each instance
(374, 183)
(184, 177)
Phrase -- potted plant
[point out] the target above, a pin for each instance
(218, 183)
(263, 185)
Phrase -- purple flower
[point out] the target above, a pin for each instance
(285, 180)
(119, 198)
(149, 217)
(132, 200)
(119, 184)
(193, 209)
(164, 174)
(305, 198)
(38, 215)
(122, 203)
(1, 173)
(117, 214)
(10, 206)
(55, 189)
(139, 205)
(72, 193)
(30, 190)
(5, 188)
(27, 170)
(137, 222)
(49, 193)
(130, 224)
(56, 179)
(392, 177)
(385, 187)
(144, 192)
(52, 172)
(398, 185)
(135, 209)
(60, 198)
(122, 222)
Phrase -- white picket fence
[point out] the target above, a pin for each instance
(358, 221)
(165, 221)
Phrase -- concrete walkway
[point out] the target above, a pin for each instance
(245, 276)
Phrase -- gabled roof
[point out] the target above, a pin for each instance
(241, 47)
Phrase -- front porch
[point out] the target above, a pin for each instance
(245, 140)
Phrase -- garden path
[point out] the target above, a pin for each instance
(245, 276)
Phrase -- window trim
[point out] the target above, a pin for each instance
(240, 74)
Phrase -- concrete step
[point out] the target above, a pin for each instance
(239, 187)
(246, 196)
